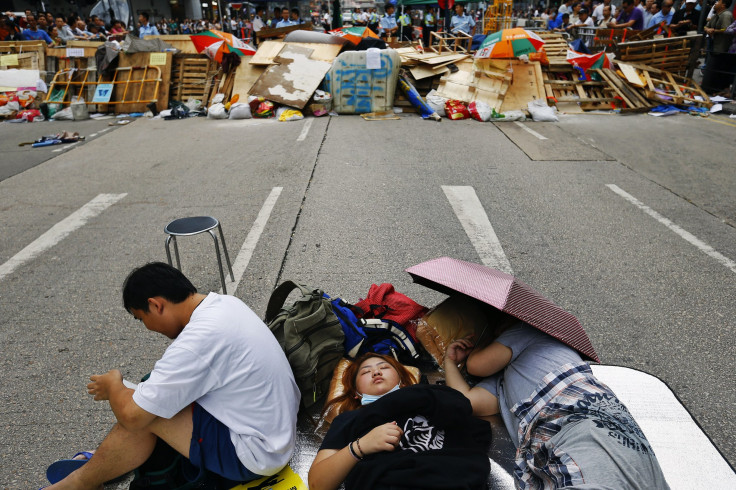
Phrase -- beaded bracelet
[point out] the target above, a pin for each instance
(352, 452)
(360, 450)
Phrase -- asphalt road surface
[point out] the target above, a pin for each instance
(625, 221)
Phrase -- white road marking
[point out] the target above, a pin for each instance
(529, 130)
(305, 129)
(246, 251)
(686, 235)
(474, 219)
(60, 231)
(92, 135)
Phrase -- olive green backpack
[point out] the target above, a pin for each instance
(311, 336)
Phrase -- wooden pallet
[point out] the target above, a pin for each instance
(675, 54)
(556, 48)
(633, 98)
(572, 95)
(191, 77)
(663, 87)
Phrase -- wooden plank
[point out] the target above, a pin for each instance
(294, 79)
(267, 51)
(527, 83)
(143, 59)
(421, 72)
(469, 85)
(246, 76)
(448, 58)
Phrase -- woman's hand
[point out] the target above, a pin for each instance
(458, 351)
(385, 437)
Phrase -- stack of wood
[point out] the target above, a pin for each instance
(429, 64)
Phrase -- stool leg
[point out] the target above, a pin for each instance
(176, 253)
(219, 261)
(168, 250)
(227, 257)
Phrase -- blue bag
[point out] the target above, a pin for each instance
(373, 335)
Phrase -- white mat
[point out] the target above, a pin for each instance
(688, 458)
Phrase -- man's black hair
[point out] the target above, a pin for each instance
(727, 4)
(296, 11)
(145, 15)
(155, 279)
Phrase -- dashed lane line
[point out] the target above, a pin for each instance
(249, 246)
(684, 234)
(305, 129)
(60, 231)
(530, 130)
(476, 224)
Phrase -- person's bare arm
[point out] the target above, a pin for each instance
(331, 467)
(109, 386)
(489, 360)
(482, 401)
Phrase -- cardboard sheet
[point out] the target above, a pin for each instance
(294, 79)
(268, 50)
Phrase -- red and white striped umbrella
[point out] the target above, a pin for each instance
(508, 294)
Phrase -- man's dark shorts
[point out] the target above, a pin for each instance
(211, 447)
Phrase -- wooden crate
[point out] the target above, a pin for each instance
(26, 61)
(24, 47)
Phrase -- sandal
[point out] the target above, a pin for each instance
(59, 470)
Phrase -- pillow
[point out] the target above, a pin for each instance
(452, 319)
(337, 388)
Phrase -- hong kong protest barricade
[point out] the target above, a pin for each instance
(318, 73)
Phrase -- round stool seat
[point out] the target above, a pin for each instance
(191, 226)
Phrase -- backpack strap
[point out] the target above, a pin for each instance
(279, 295)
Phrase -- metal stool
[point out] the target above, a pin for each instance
(194, 226)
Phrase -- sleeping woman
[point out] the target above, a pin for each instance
(571, 431)
(394, 434)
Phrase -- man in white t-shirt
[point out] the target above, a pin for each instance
(598, 11)
(223, 394)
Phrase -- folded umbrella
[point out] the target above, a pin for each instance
(506, 293)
